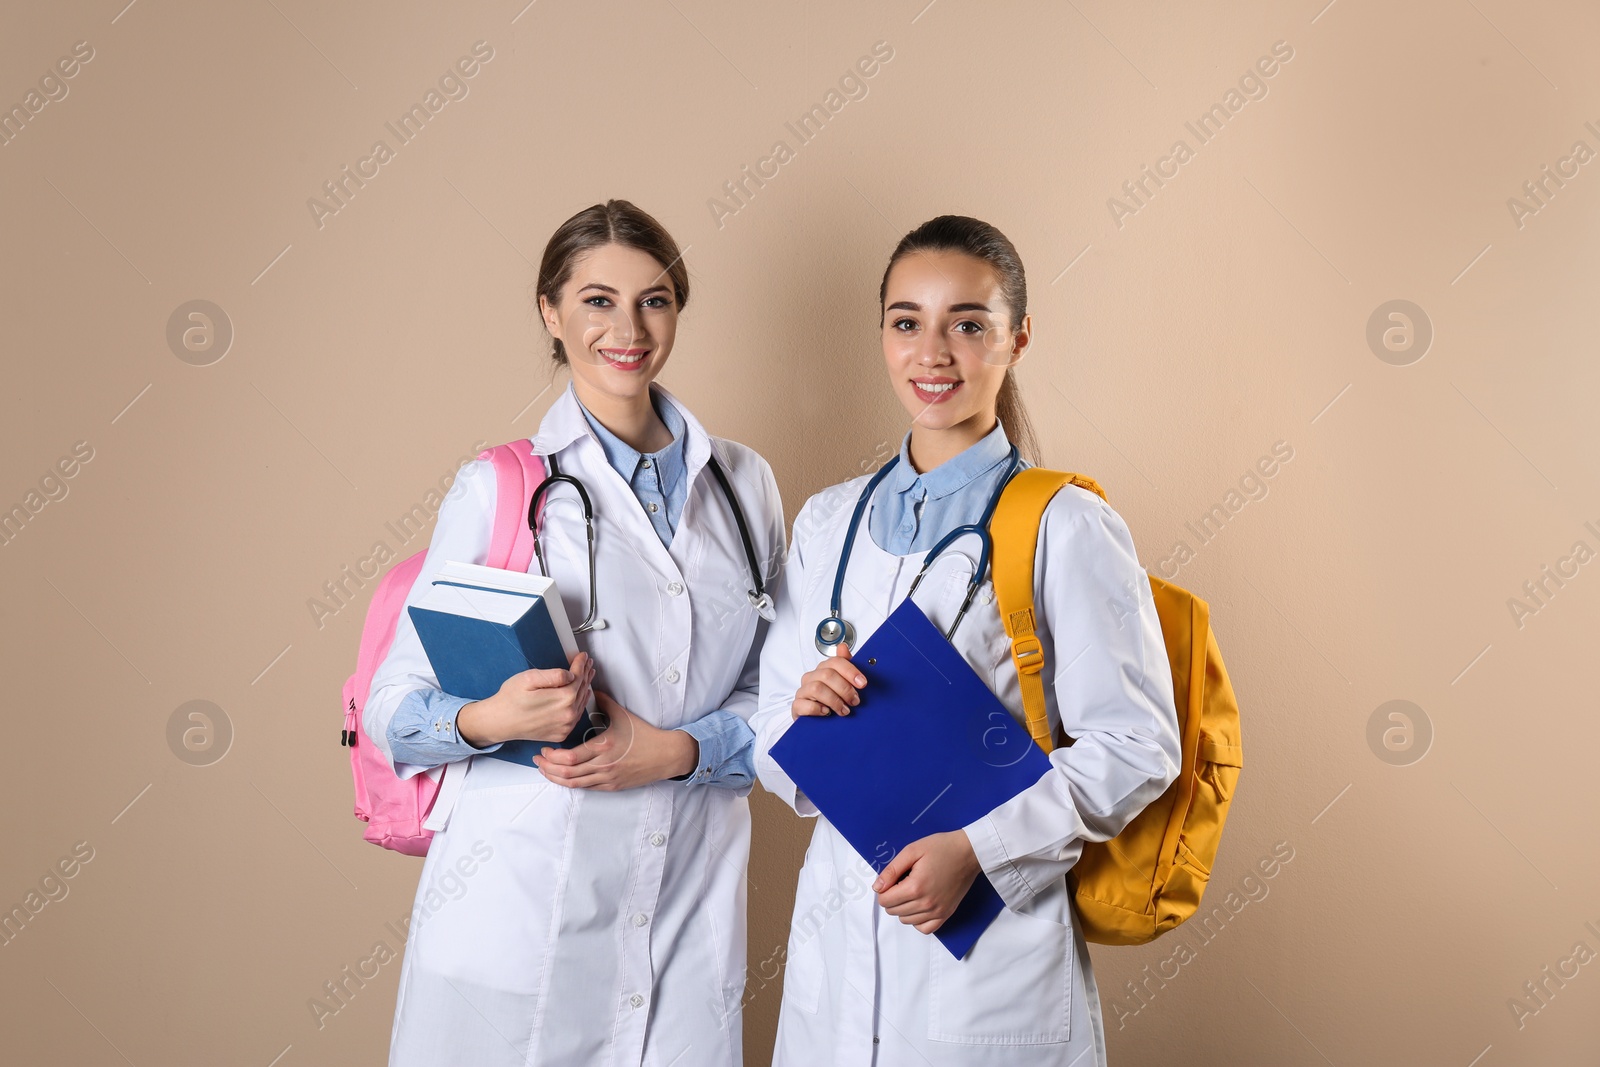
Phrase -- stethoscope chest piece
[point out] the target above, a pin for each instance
(833, 632)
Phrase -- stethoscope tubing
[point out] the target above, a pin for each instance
(554, 478)
(835, 629)
(757, 595)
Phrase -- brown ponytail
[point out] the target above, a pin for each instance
(1014, 417)
(958, 233)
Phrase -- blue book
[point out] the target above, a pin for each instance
(481, 625)
(929, 749)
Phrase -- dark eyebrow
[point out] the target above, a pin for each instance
(907, 305)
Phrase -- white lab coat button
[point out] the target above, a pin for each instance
(675, 588)
(673, 675)
(636, 1000)
(658, 839)
(640, 919)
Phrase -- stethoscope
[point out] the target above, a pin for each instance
(835, 630)
(758, 596)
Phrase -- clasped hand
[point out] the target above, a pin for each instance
(627, 754)
(545, 705)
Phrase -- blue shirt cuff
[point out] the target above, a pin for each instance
(423, 730)
(727, 751)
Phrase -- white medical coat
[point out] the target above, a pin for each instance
(861, 988)
(567, 926)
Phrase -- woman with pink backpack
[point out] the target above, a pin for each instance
(590, 908)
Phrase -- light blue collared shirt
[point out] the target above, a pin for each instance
(659, 479)
(423, 729)
(911, 511)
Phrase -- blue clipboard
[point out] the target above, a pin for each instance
(929, 749)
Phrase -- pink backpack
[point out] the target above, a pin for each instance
(394, 808)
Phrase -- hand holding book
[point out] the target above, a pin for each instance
(534, 705)
(501, 640)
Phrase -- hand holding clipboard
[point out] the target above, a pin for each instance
(925, 750)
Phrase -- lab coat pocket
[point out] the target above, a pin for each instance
(803, 969)
(488, 897)
(1013, 988)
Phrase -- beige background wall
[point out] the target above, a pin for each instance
(1226, 313)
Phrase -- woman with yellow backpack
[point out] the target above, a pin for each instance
(864, 981)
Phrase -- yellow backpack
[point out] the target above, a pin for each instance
(1149, 878)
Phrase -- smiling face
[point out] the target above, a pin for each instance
(616, 318)
(948, 339)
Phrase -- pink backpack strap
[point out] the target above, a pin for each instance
(517, 472)
(533, 472)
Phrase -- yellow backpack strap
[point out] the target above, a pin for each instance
(1015, 529)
